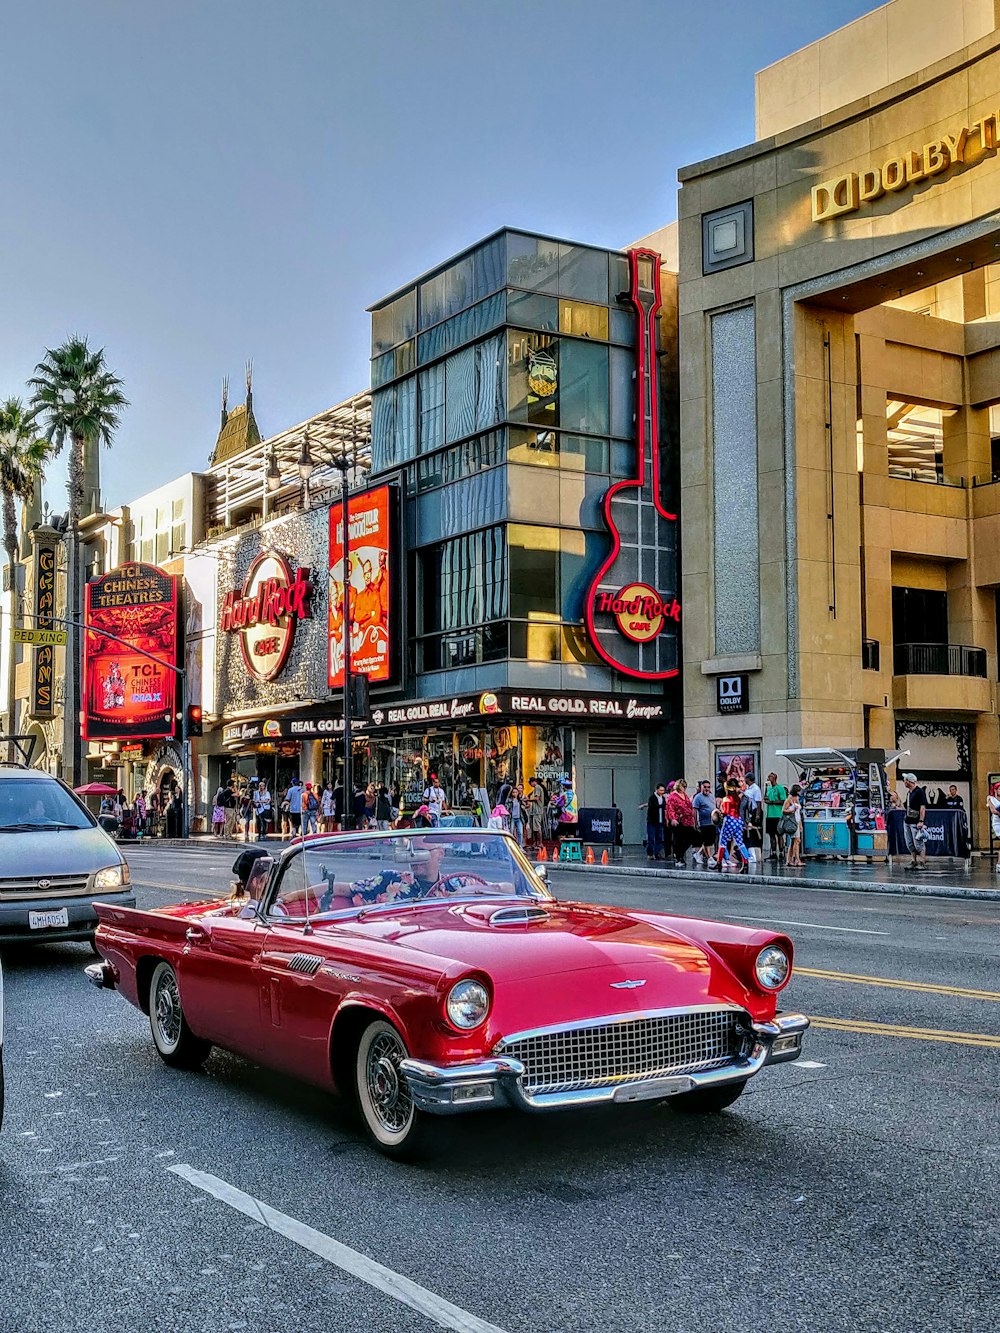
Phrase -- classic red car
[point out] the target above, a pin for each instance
(426, 974)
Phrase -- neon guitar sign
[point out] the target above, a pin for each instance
(629, 616)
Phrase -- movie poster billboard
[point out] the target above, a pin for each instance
(370, 516)
(131, 694)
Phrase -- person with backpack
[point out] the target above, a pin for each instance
(310, 810)
(383, 808)
(435, 800)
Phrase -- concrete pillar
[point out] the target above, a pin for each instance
(311, 767)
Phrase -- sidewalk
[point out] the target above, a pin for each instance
(945, 877)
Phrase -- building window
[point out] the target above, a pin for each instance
(463, 590)
(394, 323)
(534, 571)
(916, 441)
(533, 311)
(446, 293)
(919, 615)
(583, 320)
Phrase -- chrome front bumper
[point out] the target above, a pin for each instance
(450, 1089)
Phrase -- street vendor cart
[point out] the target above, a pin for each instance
(845, 800)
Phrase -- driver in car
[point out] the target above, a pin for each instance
(422, 880)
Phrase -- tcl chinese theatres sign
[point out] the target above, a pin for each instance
(266, 610)
(130, 648)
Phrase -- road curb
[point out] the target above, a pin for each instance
(898, 889)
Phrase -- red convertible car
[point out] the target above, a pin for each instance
(426, 974)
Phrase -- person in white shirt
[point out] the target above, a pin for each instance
(435, 800)
(262, 810)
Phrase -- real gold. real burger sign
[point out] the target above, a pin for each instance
(265, 612)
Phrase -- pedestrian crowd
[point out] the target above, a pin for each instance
(723, 829)
(156, 813)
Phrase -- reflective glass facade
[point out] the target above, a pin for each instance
(504, 393)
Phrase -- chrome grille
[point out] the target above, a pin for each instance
(626, 1051)
(55, 886)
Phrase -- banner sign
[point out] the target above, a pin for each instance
(470, 709)
(265, 612)
(128, 693)
(43, 672)
(370, 517)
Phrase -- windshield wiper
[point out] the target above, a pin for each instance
(33, 827)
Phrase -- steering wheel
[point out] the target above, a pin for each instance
(461, 880)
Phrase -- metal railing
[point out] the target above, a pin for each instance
(938, 659)
(870, 655)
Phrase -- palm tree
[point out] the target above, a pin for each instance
(76, 398)
(22, 464)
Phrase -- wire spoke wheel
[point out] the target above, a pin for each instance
(173, 1039)
(387, 1089)
(382, 1093)
(167, 1008)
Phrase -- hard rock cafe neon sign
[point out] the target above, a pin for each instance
(265, 612)
(639, 611)
(619, 605)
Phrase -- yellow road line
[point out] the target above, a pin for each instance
(982, 1039)
(930, 987)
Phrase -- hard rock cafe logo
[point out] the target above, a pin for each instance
(639, 610)
(265, 612)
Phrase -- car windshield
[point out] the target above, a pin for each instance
(341, 875)
(30, 803)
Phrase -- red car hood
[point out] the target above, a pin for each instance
(610, 945)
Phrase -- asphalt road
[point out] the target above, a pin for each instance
(858, 1189)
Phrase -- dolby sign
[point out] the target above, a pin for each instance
(967, 144)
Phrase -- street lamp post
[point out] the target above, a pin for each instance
(348, 775)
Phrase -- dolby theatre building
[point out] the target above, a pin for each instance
(839, 310)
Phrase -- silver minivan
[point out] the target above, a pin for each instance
(54, 861)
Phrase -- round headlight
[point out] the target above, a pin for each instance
(772, 967)
(468, 1004)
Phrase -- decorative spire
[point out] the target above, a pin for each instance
(249, 372)
(225, 400)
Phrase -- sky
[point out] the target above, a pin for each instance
(192, 183)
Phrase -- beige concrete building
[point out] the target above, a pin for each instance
(839, 310)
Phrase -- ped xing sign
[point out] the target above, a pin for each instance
(41, 638)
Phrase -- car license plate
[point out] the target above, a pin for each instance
(653, 1088)
(45, 920)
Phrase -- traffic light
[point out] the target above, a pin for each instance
(194, 720)
(360, 702)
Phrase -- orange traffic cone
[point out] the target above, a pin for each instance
(543, 854)
(589, 858)
(604, 857)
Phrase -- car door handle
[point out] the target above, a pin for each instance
(195, 935)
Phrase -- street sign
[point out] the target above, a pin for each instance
(41, 638)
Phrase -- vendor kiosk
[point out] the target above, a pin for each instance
(845, 797)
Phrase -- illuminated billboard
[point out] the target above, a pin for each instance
(130, 691)
(370, 518)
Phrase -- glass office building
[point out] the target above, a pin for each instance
(504, 390)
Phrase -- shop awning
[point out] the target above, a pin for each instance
(830, 758)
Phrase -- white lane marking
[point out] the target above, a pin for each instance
(808, 1064)
(779, 921)
(400, 1288)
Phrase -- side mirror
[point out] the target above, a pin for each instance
(249, 910)
(542, 871)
